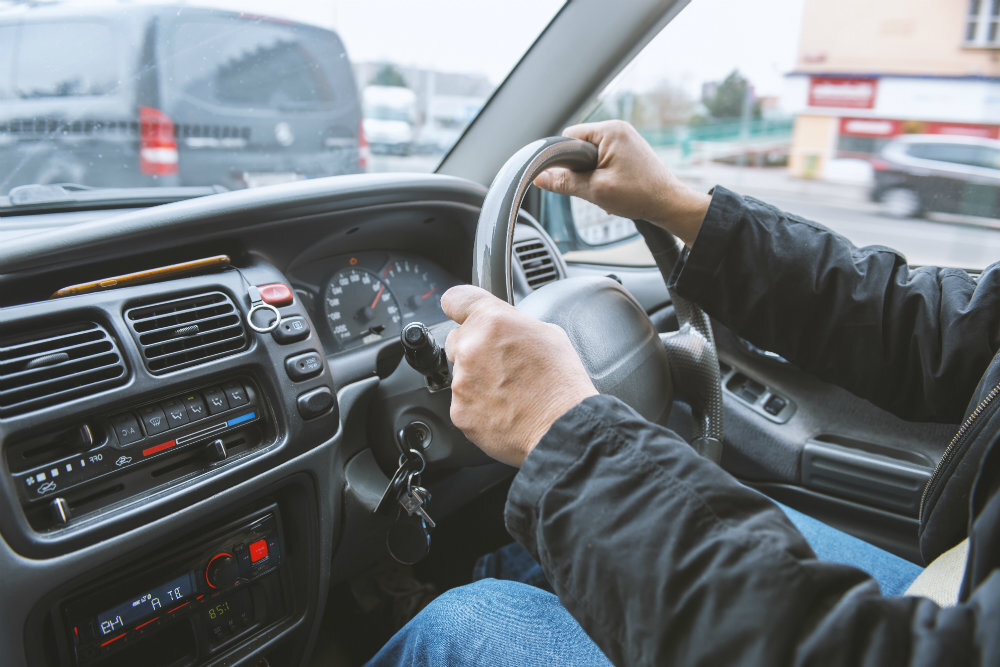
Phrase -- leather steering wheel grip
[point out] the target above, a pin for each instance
(491, 257)
(610, 331)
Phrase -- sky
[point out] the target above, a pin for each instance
(704, 43)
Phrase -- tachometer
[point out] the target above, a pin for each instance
(360, 308)
(417, 288)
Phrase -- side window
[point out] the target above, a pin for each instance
(991, 158)
(964, 154)
(8, 35)
(248, 65)
(45, 67)
(779, 104)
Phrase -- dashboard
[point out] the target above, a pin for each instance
(179, 485)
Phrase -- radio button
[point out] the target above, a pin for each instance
(258, 551)
(195, 407)
(216, 401)
(126, 429)
(176, 414)
(153, 419)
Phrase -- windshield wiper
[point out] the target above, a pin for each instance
(75, 197)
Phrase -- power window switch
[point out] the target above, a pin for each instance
(775, 405)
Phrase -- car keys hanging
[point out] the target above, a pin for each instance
(408, 539)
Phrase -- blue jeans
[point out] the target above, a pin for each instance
(511, 617)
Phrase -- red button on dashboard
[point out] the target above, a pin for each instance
(276, 294)
(258, 551)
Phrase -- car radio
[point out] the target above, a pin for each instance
(189, 606)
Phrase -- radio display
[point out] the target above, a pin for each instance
(144, 605)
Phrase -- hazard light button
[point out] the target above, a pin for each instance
(276, 294)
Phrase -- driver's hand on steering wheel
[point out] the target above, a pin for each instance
(513, 376)
(630, 181)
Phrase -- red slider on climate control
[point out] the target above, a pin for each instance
(149, 451)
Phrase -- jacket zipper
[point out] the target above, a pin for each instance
(952, 447)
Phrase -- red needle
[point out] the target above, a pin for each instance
(429, 293)
(375, 302)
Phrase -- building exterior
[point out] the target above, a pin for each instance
(869, 70)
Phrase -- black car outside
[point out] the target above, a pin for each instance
(172, 95)
(921, 173)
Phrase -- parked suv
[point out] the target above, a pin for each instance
(919, 173)
(171, 95)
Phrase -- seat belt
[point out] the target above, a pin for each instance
(941, 580)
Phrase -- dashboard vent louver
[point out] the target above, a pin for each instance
(537, 262)
(50, 367)
(187, 331)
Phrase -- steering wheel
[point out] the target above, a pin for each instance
(613, 335)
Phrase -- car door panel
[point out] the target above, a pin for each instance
(828, 453)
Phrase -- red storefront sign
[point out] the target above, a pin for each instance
(870, 127)
(887, 127)
(963, 130)
(842, 93)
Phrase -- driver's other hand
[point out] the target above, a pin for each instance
(630, 181)
(513, 377)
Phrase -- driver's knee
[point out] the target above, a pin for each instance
(491, 622)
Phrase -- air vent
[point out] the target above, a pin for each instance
(184, 332)
(537, 262)
(47, 368)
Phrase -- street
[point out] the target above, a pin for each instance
(935, 242)
(938, 240)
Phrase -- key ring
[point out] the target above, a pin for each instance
(406, 454)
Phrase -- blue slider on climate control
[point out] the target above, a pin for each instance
(242, 418)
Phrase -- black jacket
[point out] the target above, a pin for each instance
(665, 559)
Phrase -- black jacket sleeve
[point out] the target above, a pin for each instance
(665, 559)
(914, 341)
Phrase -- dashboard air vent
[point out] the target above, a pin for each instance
(537, 262)
(187, 331)
(45, 368)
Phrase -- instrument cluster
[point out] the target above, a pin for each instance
(365, 298)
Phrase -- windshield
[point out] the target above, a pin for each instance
(241, 93)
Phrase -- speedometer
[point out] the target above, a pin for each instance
(360, 308)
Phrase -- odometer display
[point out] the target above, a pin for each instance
(360, 308)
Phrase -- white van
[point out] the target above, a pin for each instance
(390, 113)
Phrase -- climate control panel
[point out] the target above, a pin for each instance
(60, 474)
